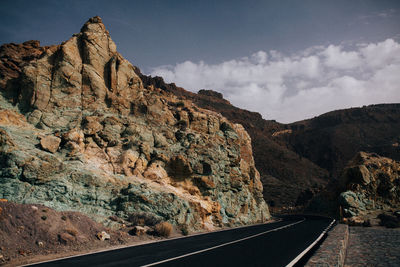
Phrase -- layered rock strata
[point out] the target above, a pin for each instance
(93, 138)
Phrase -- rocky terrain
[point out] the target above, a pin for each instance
(80, 130)
(297, 160)
(367, 193)
(28, 230)
(288, 178)
(370, 186)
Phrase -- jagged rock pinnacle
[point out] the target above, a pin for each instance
(94, 20)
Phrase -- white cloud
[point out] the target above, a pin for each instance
(336, 58)
(380, 54)
(311, 82)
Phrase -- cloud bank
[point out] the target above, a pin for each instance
(306, 84)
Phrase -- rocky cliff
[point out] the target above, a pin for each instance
(296, 161)
(79, 130)
(289, 179)
(370, 185)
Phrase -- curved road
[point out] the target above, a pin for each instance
(272, 244)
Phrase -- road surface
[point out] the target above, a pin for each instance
(272, 244)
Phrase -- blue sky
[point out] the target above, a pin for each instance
(265, 56)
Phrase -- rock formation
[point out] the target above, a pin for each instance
(372, 186)
(367, 187)
(287, 177)
(94, 139)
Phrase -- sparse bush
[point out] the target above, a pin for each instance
(44, 218)
(163, 229)
(184, 230)
(180, 104)
(64, 218)
(143, 218)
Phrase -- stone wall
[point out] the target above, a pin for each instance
(332, 251)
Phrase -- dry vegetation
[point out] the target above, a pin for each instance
(163, 229)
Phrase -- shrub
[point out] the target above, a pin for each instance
(143, 218)
(184, 230)
(44, 218)
(163, 229)
(180, 104)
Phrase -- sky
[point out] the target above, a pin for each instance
(288, 60)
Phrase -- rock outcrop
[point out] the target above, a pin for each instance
(367, 187)
(96, 140)
(287, 177)
(372, 186)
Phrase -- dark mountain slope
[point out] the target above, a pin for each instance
(334, 138)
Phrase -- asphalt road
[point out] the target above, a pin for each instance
(273, 244)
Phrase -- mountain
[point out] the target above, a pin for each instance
(80, 130)
(333, 139)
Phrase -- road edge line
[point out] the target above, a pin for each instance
(221, 245)
(146, 243)
(301, 255)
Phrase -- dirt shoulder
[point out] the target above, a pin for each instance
(31, 233)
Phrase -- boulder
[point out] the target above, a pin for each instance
(103, 236)
(372, 184)
(139, 230)
(50, 143)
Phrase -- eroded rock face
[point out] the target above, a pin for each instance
(372, 186)
(118, 147)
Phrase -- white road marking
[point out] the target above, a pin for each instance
(146, 243)
(222, 245)
(295, 260)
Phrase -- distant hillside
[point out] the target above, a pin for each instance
(334, 138)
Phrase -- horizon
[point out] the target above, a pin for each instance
(262, 56)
